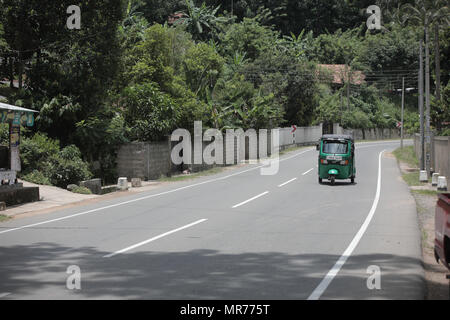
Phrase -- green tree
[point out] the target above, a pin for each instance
(150, 113)
(248, 36)
(202, 68)
(202, 22)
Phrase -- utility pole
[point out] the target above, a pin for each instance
(422, 118)
(427, 103)
(403, 111)
(348, 88)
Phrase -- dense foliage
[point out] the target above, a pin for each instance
(128, 74)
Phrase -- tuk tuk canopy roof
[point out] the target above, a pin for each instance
(337, 137)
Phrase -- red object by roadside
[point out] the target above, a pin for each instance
(442, 230)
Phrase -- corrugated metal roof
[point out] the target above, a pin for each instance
(5, 106)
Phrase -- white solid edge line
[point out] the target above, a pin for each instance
(154, 238)
(317, 293)
(247, 201)
(146, 197)
(304, 174)
(283, 184)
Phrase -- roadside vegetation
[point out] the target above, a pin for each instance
(408, 156)
(426, 199)
(81, 190)
(4, 218)
(136, 72)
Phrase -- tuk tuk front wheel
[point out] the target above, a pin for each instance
(333, 180)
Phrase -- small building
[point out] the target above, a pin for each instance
(341, 74)
(12, 192)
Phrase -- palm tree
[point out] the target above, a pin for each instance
(426, 13)
(200, 20)
(430, 13)
(442, 20)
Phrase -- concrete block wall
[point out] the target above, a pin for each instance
(158, 159)
(132, 161)
(307, 135)
(151, 160)
(441, 156)
(143, 160)
(373, 134)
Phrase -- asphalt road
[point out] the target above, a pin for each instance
(236, 235)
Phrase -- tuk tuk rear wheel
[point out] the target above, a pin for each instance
(320, 180)
(353, 180)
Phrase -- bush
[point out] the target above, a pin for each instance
(44, 162)
(62, 171)
(34, 151)
(37, 177)
(445, 133)
(81, 190)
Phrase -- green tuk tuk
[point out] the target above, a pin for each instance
(336, 158)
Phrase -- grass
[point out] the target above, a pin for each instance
(4, 218)
(426, 192)
(407, 155)
(81, 190)
(192, 176)
(412, 179)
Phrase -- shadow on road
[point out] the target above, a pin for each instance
(39, 271)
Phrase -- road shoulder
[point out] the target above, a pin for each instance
(426, 198)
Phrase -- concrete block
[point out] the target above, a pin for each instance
(442, 183)
(122, 184)
(95, 185)
(2, 206)
(136, 182)
(17, 196)
(434, 180)
(423, 177)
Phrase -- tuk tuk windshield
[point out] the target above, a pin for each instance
(335, 147)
